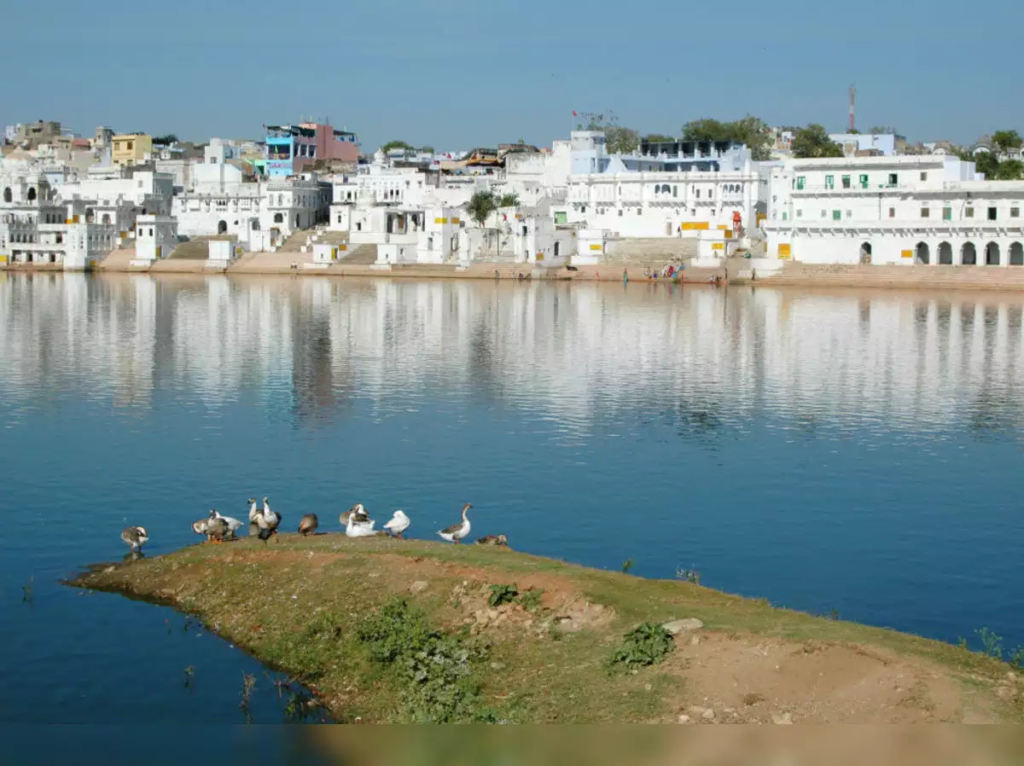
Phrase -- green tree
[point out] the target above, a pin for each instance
(167, 140)
(987, 163)
(397, 145)
(426, 149)
(813, 141)
(658, 138)
(1009, 170)
(753, 132)
(618, 139)
(882, 130)
(480, 206)
(508, 200)
(1004, 140)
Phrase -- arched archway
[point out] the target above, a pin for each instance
(222, 227)
(945, 254)
(31, 194)
(8, 195)
(969, 254)
(1017, 254)
(865, 252)
(991, 254)
(255, 224)
(923, 253)
(297, 220)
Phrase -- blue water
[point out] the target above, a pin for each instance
(848, 451)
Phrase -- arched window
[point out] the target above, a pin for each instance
(992, 254)
(969, 254)
(945, 254)
(923, 252)
(31, 194)
(1017, 254)
(8, 195)
(106, 219)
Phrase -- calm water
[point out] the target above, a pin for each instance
(854, 451)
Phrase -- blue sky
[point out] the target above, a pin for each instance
(459, 73)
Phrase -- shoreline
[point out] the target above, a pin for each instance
(918, 278)
(292, 605)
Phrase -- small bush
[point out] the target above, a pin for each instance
(688, 575)
(530, 600)
(991, 643)
(432, 668)
(502, 594)
(627, 565)
(644, 646)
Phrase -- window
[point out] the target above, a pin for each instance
(846, 182)
(925, 212)
(824, 213)
(849, 213)
(784, 216)
(892, 212)
(864, 181)
(992, 214)
(799, 213)
(620, 212)
(800, 181)
(947, 214)
(893, 179)
(1014, 212)
(131, 145)
(969, 212)
(924, 176)
(837, 215)
(830, 182)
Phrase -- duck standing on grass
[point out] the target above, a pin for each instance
(233, 524)
(398, 524)
(457, 532)
(217, 529)
(309, 524)
(136, 537)
(359, 528)
(268, 521)
(357, 511)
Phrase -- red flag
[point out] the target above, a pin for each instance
(574, 113)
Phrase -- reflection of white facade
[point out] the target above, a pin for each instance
(571, 354)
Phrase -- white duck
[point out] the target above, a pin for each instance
(398, 524)
(233, 524)
(268, 521)
(457, 532)
(254, 510)
(357, 511)
(135, 537)
(359, 528)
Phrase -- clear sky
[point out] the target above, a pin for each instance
(460, 73)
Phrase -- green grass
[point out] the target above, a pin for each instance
(325, 610)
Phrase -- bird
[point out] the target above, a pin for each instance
(356, 510)
(398, 524)
(254, 510)
(233, 524)
(308, 524)
(217, 529)
(201, 527)
(136, 537)
(268, 521)
(359, 528)
(457, 532)
(500, 540)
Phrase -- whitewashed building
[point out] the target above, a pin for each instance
(933, 210)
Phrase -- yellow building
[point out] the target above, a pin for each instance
(131, 149)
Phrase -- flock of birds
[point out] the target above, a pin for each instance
(264, 523)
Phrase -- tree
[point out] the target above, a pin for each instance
(752, 132)
(397, 145)
(508, 200)
(882, 130)
(167, 140)
(1003, 140)
(813, 141)
(658, 138)
(987, 163)
(480, 206)
(618, 139)
(426, 149)
(1009, 170)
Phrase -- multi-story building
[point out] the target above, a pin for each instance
(290, 147)
(32, 134)
(933, 210)
(131, 149)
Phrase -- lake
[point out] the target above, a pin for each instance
(847, 450)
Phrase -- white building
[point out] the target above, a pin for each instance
(678, 189)
(894, 210)
(883, 143)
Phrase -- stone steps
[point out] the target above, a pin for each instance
(1011, 277)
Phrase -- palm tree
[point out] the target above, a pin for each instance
(508, 200)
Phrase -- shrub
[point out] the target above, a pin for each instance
(502, 594)
(530, 600)
(643, 646)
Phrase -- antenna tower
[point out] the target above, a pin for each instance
(853, 109)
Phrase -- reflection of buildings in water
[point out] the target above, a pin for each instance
(569, 353)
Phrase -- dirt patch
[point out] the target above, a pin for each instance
(745, 680)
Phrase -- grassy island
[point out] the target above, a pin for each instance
(407, 631)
